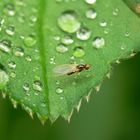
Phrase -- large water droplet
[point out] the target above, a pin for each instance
(5, 46)
(83, 34)
(98, 42)
(68, 22)
(91, 14)
(78, 52)
(29, 41)
(61, 48)
(4, 78)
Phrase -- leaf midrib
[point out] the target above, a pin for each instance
(42, 9)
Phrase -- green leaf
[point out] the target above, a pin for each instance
(38, 35)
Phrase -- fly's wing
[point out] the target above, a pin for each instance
(64, 69)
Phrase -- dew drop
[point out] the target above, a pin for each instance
(19, 52)
(52, 60)
(10, 30)
(13, 74)
(4, 78)
(67, 40)
(29, 41)
(103, 23)
(68, 22)
(98, 42)
(37, 86)
(26, 87)
(5, 46)
(61, 48)
(78, 52)
(28, 58)
(115, 11)
(9, 10)
(91, 14)
(90, 1)
(12, 65)
(83, 34)
(1, 23)
(59, 90)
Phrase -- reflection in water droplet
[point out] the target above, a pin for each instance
(4, 78)
(9, 10)
(29, 41)
(69, 22)
(37, 86)
(61, 48)
(90, 1)
(98, 42)
(67, 40)
(59, 90)
(19, 52)
(91, 14)
(78, 52)
(83, 34)
(10, 30)
(5, 46)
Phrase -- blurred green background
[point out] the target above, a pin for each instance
(112, 114)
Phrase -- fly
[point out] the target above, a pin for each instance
(69, 69)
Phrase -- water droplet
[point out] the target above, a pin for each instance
(26, 87)
(13, 74)
(10, 30)
(37, 86)
(115, 11)
(83, 34)
(61, 48)
(5, 46)
(69, 22)
(29, 41)
(98, 42)
(19, 52)
(28, 58)
(67, 40)
(91, 14)
(9, 10)
(59, 90)
(52, 60)
(4, 78)
(78, 52)
(1, 23)
(12, 65)
(33, 18)
(103, 23)
(90, 1)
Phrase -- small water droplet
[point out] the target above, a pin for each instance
(19, 52)
(1, 23)
(91, 14)
(61, 48)
(9, 10)
(10, 30)
(103, 23)
(90, 1)
(37, 86)
(12, 65)
(78, 52)
(52, 60)
(13, 74)
(28, 58)
(98, 42)
(5, 46)
(67, 40)
(59, 90)
(4, 78)
(30, 41)
(115, 11)
(26, 87)
(83, 34)
(68, 22)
